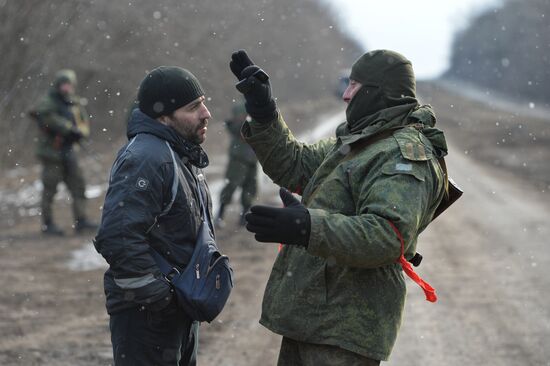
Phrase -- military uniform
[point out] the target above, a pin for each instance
(63, 121)
(377, 180)
(347, 289)
(242, 168)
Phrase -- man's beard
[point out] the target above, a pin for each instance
(191, 134)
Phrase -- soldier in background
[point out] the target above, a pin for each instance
(241, 169)
(63, 122)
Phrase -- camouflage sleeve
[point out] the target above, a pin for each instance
(398, 190)
(288, 162)
(48, 118)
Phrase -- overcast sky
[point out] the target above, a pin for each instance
(422, 30)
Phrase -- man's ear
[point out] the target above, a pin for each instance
(164, 120)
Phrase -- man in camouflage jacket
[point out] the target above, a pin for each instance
(63, 122)
(336, 292)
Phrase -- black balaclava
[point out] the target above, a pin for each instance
(387, 80)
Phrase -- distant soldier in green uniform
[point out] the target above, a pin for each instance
(337, 290)
(63, 122)
(241, 169)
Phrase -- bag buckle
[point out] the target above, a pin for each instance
(170, 275)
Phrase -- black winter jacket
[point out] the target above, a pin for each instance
(140, 187)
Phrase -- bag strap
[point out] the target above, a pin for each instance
(175, 181)
(452, 191)
(178, 176)
(165, 267)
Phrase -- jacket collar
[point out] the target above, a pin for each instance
(141, 123)
(394, 118)
(378, 122)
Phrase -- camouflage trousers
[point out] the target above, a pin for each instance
(295, 353)
(240, 174)
(67, 171)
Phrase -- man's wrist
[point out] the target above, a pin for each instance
(263, 114)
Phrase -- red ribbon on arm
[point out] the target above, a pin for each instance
(429, 291)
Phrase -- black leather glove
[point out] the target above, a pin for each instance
(288, 225)
(254, 85)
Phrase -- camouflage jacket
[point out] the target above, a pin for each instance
(346, 288)
(58, 119)
(238, 148)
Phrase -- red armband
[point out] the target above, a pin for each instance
(429, 291)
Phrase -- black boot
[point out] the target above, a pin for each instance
(49, 228)
(84, 224)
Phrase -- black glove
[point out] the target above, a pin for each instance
(254, 85)
(288, 225)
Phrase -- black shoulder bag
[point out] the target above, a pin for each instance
(203, 286)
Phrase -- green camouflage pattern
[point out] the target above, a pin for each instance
(297, 353)
(346, 288)
(68, 171)
(242, 167)
(238, 148)
(55, 126)
(242, 174)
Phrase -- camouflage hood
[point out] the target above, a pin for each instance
(426, 116)
(392, 119)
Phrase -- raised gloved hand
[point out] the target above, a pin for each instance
(288, 225)
(254, 85)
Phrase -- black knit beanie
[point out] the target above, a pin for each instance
(166, 89)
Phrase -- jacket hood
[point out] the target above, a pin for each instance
(139, 122)
(394, 118)
(426, 117)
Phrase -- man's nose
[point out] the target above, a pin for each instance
(345, 96)
(205, 113)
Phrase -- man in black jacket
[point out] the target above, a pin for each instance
(147, 326)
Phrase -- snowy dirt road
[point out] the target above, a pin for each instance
(486, 257)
